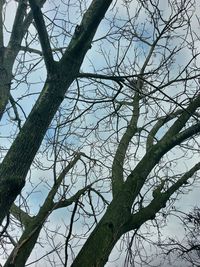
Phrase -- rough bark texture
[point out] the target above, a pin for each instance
(118, 218)
(17, 162)
(19, 158)
(107, 232)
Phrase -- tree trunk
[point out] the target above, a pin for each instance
(16, 164)
(18, 160)
(102, 240)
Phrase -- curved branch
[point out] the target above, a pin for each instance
(159, 202)
(160, 122)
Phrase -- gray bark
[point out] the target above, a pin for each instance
(18, 160)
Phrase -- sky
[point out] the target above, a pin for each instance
(186, 202)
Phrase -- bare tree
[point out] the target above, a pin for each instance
(109, 129)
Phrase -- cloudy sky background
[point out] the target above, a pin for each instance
(185, 203)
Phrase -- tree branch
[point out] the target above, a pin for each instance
(31, 50)
(184, 135)
(2, 2)
(159, 202)
(38, 52)
(183, 118)
(17, 118)
(17, 33)
(119, 158)
(160, 122)
(20, 215)
(66, 202)
(102, 76)
(183, 180)
(70, 232)
(172, 138)
(43, 35)
(29, 18)
(84, 33)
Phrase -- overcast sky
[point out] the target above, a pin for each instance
(185, 203)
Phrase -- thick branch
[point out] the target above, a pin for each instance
(160, 122)
(43, 35)
(183, 118)
(150, 211)
(183, 180)
(119, 158)
(187, 133)
(20, 215)
(172, 138)
(84, 33)
(29, 18)
(17, 33)
(138, 176)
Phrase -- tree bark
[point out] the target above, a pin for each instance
(117, 218)
(96, 250)
(8, 54)
(17, 162)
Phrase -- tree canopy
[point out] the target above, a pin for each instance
(99, 109)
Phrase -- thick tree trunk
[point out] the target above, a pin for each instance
(116, 220)
(18, 160)
(111, 227)
(21, 154)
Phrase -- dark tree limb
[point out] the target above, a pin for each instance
(17, 162)
(33, 225)
(43, 35)
(17, 32)
(159, 202)
(2, 2)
